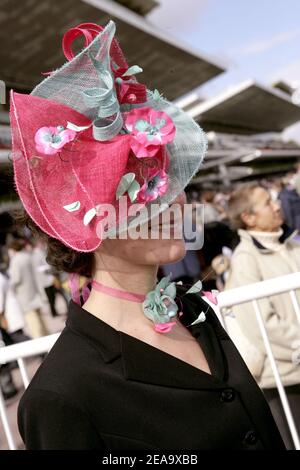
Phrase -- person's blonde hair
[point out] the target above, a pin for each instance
(239, 202)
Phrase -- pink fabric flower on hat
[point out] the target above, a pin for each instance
(49, 140)
(129, 90)
(155, 185)
(149, 129)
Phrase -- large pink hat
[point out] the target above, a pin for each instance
(90, 133)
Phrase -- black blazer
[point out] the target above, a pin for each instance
(103, 389)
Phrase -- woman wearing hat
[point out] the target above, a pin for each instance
(98, 160)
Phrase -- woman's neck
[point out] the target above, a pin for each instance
(269, 240)
(121, 314)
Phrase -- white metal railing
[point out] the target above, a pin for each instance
(252, 293)
(17, 352)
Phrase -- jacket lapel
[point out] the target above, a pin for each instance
(212, 349)
(145, 363)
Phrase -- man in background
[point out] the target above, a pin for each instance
(23, 282)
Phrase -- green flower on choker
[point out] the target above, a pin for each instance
(160, 306)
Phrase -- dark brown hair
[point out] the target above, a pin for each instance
(61, 257)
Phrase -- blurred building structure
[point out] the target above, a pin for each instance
(38, 26)
(244, 126)
(35, 47)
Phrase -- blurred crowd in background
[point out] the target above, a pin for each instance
(211, 263)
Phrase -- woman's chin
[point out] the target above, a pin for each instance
(172, 251)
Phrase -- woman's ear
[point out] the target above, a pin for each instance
(248, 219)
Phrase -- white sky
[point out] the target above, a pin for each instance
(257, 39)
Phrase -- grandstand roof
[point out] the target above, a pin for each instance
(38, 26)
(249, 108)
(142, 7)
(217, 157)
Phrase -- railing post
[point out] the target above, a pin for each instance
(295, 304)
(279, 385)
(4, 420)
(23, 372)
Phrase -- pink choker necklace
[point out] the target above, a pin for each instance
(159, 305)
(120, 294)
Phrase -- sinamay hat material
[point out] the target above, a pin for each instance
(91, 132)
